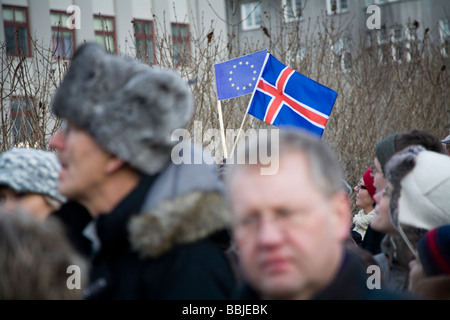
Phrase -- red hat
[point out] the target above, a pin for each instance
(368, 181)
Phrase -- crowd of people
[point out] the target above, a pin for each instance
(112, 207)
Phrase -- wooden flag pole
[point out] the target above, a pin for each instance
(239, 134)
(222, 130)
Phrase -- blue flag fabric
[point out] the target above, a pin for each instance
(284, 97)
(237, 77)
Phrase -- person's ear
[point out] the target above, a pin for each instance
(342, 214)
(114, 163)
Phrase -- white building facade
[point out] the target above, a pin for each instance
(30, 27)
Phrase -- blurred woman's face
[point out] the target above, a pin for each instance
(379, 180)
(381, 221)
(33, 203)
(363, 199)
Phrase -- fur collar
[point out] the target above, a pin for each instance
(184, 219)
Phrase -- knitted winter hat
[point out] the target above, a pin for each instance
(129, 108)
(368, 181)
(434, 251)
(31, 170)
(385, 149)
(421, 183)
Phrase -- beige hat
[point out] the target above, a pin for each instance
(425, 192)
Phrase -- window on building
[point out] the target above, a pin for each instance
(22, 120)
(341, 49)
(145, 41)
(105, 32)
(17, 38)
(370, 2)
(411, 43)
(292, 9)
(181, 43)
(444, 30)
(384, 52)
(295, 55)
(397, 43)
(63, 38)
(251, 15)
(337, 6)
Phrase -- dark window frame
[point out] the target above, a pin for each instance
(183, 40)
(16, 25)
(60, 29)
(24, 113)
(144, 36)
(106, 33)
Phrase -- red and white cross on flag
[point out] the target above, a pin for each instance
(284, 97)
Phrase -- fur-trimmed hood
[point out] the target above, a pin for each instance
(184, 205)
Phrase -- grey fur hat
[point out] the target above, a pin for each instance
(31, 170)
(129, 108)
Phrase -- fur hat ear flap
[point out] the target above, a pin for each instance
(396, 169)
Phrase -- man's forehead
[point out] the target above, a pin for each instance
(290, 162)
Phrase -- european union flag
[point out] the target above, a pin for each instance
(238, 76)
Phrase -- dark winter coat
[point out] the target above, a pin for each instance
(393, 262)
(349, 284)
(372, 240)
(161, 242)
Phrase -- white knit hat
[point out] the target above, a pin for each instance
(425, 192)
(31, 170)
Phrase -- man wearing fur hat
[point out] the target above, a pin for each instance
(153, 223)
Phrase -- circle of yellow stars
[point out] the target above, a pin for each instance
(231, 74)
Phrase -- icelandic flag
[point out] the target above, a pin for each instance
(284, 97)
(238, 76)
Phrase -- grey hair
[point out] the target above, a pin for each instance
(325, 168)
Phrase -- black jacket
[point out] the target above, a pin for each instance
(163, 251)
(350, 284)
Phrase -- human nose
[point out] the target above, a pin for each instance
(377, 197)
(57, 140)
(270, 233)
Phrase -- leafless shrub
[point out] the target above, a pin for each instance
(382, 88)
(27, 85)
